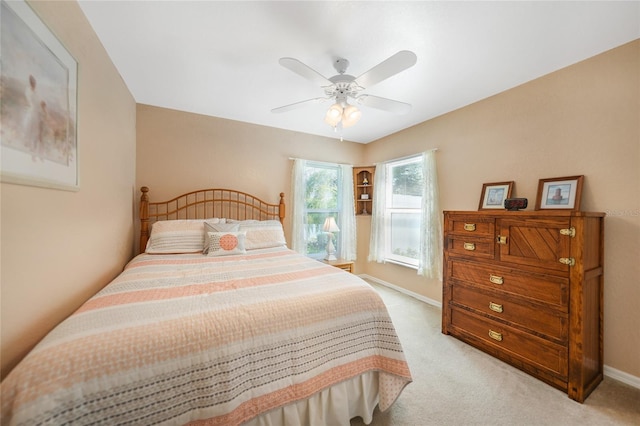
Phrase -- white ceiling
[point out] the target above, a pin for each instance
(221, 58)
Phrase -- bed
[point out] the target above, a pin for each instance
(217, 322)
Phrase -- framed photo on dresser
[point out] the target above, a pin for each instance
(560, 193)
(494, 194)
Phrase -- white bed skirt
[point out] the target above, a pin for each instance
(336, 405)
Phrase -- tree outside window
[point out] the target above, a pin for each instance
(321, 201)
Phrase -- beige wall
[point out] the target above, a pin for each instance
(582, 120)
(58, 247)
(179, 152)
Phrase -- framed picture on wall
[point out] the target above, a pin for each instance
(494, 194)
(559, 193)
(39, 145)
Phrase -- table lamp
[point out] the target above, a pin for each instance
(330, 227)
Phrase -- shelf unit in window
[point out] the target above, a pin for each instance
(363, 189)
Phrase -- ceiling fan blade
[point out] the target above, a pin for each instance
(384, 104)
(305, 71)
(296, 105)
(387, 68)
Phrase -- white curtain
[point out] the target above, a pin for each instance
(378, 229)
(347, 219)
(298, 188)
(430, 260)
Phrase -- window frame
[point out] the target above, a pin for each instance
(327, 212)
(389, 210)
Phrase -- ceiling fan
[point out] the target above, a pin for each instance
(343, 87)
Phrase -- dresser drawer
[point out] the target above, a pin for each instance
(543, 288)
(470, 246)
(544, 321)
(530, 349)
(479, 226)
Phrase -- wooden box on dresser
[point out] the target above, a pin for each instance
(526, 287)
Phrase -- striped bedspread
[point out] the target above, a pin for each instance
(179, 339)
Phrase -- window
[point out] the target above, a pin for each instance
(322, 196)
(320, 190)
(403, 210)
(406, 227)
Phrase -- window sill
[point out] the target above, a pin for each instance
(406, 265)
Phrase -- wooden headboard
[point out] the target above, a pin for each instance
(204, 204)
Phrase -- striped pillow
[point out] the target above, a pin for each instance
(176, 236)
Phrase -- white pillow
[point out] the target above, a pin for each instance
(176, 236)
(262, 233)
(226, 243)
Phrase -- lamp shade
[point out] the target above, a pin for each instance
(334, 115)
(350, 115)
(330, 225)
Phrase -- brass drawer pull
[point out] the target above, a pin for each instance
(469, 246)
(496, 279)
(495, 307)
(470, 227)
(495, 335)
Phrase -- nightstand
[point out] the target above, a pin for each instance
(345, 265)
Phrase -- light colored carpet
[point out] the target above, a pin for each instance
(456, 384)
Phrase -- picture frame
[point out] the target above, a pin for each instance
(561, 193)
(39, 85)
(494, 194)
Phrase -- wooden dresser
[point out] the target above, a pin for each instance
(526, 287)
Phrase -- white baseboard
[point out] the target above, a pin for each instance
(621, 376)
(420, 297)
(610, 372)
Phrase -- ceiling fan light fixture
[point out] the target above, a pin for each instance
(346, 115)
(350, 115)
(334, 115)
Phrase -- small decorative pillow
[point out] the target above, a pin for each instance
(176, 236)
(220, 226)
(226, 243)
(263, 233)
